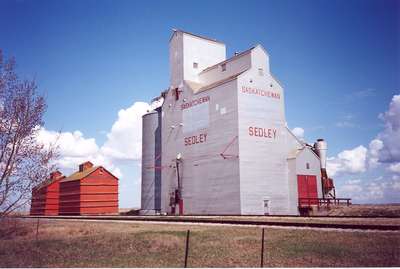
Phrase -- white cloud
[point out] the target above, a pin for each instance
(359, 95)
(390, 136)
(364, 93)
(395, 167)
(379, 178)
(367, 191)
(381, 182)
(345, 124)
(375, 191)
(123, 142)
(75, 149)
(384, 148)
(373, 154)
(348, 161)
(299, 132)
(396, 185)
(346, 121)
(70, 144)
(351, 187)
(354, 181)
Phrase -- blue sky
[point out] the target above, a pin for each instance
(339, 63)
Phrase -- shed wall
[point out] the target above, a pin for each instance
(45, 201)
(38, 202)
(70, 198)
(52, 198)
(307, 156)
(99, 193)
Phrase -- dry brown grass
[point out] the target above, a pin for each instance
(101, 244)
(384, 210)
(349, 220)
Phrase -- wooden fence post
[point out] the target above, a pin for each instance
(37, 229)
(262, 248)
(37, 243)
(187, 247)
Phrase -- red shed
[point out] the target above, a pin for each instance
(45, 196)
(92, 190)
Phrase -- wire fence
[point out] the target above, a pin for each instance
(98, 244)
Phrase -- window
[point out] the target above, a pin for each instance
(223, 67)
(195, 65)
(307, 165)
(260, 71)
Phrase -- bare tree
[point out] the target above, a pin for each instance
(23, 161)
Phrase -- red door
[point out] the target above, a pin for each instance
(307, 188)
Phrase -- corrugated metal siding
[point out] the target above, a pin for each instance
(99, 182)
(263, 160)
(45, 201)
(210, 182)
(293, 193)
(38, 202)
(52, 198)
(151, 163)
(70, 198)
(257, 168)
(97, 193)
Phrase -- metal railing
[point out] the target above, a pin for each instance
(308, 202)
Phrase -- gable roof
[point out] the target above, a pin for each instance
(228, 60)
(47, 182)
(80, 175)
(295, 137)
(217, 83)
(261, 47)
(293, 154)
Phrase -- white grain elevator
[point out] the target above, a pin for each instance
(216, 141)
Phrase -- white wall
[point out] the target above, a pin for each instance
(210, 182)
(260, 59)
(235, 185)
(185, 49)
(293, 191)
(176, 59)
(202, 51)
(263, 161)
(307, 156)
(233, 67)
(293, 146)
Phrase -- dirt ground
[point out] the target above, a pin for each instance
(101, 244)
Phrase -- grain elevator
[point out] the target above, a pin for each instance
(216, 142)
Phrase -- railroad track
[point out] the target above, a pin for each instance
(211, 220)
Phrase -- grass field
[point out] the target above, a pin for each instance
(380, 210)
(101, 244)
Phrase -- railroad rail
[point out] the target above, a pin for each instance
(216, 220)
